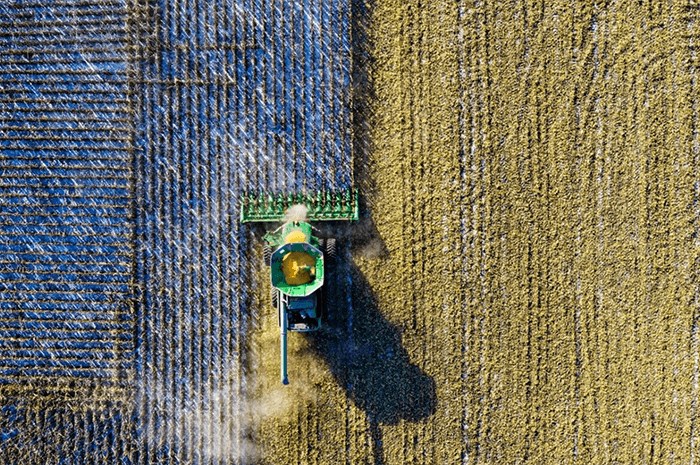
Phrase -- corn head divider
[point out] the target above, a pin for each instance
(323, 206)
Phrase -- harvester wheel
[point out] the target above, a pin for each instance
(267, 252)
(330, 249)
(273, 298)
(321, 245)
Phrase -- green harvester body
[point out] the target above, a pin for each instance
(299, 306)
(276, 242)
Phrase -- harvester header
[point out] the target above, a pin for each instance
(322, 206)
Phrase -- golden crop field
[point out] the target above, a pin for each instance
(523, 287)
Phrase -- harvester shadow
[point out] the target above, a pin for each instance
(362, 348)
(365, 355)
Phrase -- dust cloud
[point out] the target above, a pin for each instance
(296, 213)
(220, 424)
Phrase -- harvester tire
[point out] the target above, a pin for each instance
(273, 298)
(330, 250)
(322, 245)
(267, 252)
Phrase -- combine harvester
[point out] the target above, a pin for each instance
(297, 258)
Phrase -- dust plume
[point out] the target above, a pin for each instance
(361, 238)
(221, 423)
(224, 422)
(296, 213)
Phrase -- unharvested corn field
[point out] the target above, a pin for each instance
(523, 287)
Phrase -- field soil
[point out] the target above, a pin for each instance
(523, 284)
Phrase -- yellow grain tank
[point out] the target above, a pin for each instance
(298, 268)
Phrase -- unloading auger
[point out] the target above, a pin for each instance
(298, 259)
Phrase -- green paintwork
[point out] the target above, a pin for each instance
(276, 241)
(322, 206)
(276, 238)
(277, 277)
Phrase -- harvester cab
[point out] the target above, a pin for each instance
(298, 258)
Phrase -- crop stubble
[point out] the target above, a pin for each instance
(535, 171)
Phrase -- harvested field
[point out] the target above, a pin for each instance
(526, 277)
(522, 286)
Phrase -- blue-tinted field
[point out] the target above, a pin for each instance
(128, 133)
